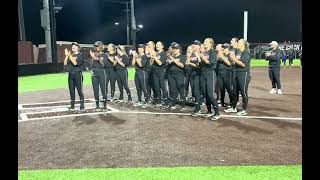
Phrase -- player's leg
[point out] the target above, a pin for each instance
(71, 85)
(78, 81)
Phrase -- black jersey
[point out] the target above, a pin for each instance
(144, 61)
(125, 60)
(245, 59)
(212, 56)
(106, 60)
(80, 62)
(174, 68)
(194, 60)
(163, 58)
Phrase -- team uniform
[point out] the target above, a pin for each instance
(150, 81)
(208, 79)
(110, 74)
(234, 90)
(241, 84)
(161, 93)
(195, 74)
(122, 77)
(140, 79)
(176, 81)
(75, 79)
(225, 76)
(274, 68)
(188, 81)
(217, 85)
(98, 77)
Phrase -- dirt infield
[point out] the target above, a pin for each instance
(140, 140)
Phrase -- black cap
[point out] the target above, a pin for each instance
(226, 45)
(176, 46)
(173, 44)
(75, 43)
(196, 42)
(98, 43)
(142, 46)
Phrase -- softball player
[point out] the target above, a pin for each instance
(234, 50)
(98, 75)
(74, 65)
(208, 76)
(140, 62)
(242, 76)
(121, 62)
(176, 63)
(224, 73)
(109, 69)
(193, 61)
(150, 48)
(159, 63)
(188, 70)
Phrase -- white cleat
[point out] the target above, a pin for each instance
(231, 110)
(215, 117)
(138, 104)
(242, 113)
(279, 91)
(273, 91)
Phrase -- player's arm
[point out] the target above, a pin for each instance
(65, 61)
(240, 60)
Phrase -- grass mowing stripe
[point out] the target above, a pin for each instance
(60, 80)
(293, 172)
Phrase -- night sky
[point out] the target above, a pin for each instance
(183, 21)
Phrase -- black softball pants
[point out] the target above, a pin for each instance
(225, 81)
(110, 78)
(150, 81)
(159, 85)
(242, 80)
(195, 84)
(188, 81)
(75, 80)
(140, 79)
(208, 83)
(99, 80)
(122, 81)
(176, 86)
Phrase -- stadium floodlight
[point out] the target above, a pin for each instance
(140, 26)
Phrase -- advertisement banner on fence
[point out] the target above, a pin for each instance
(285, 47)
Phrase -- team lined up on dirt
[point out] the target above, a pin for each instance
(163, 77)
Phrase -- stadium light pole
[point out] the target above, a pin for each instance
(128, 28)
(133, 25)
(22, 32)
(45, 23)
(127, 16)
(245, 25)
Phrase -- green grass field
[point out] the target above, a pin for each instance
(293, 172)
(56, 81)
